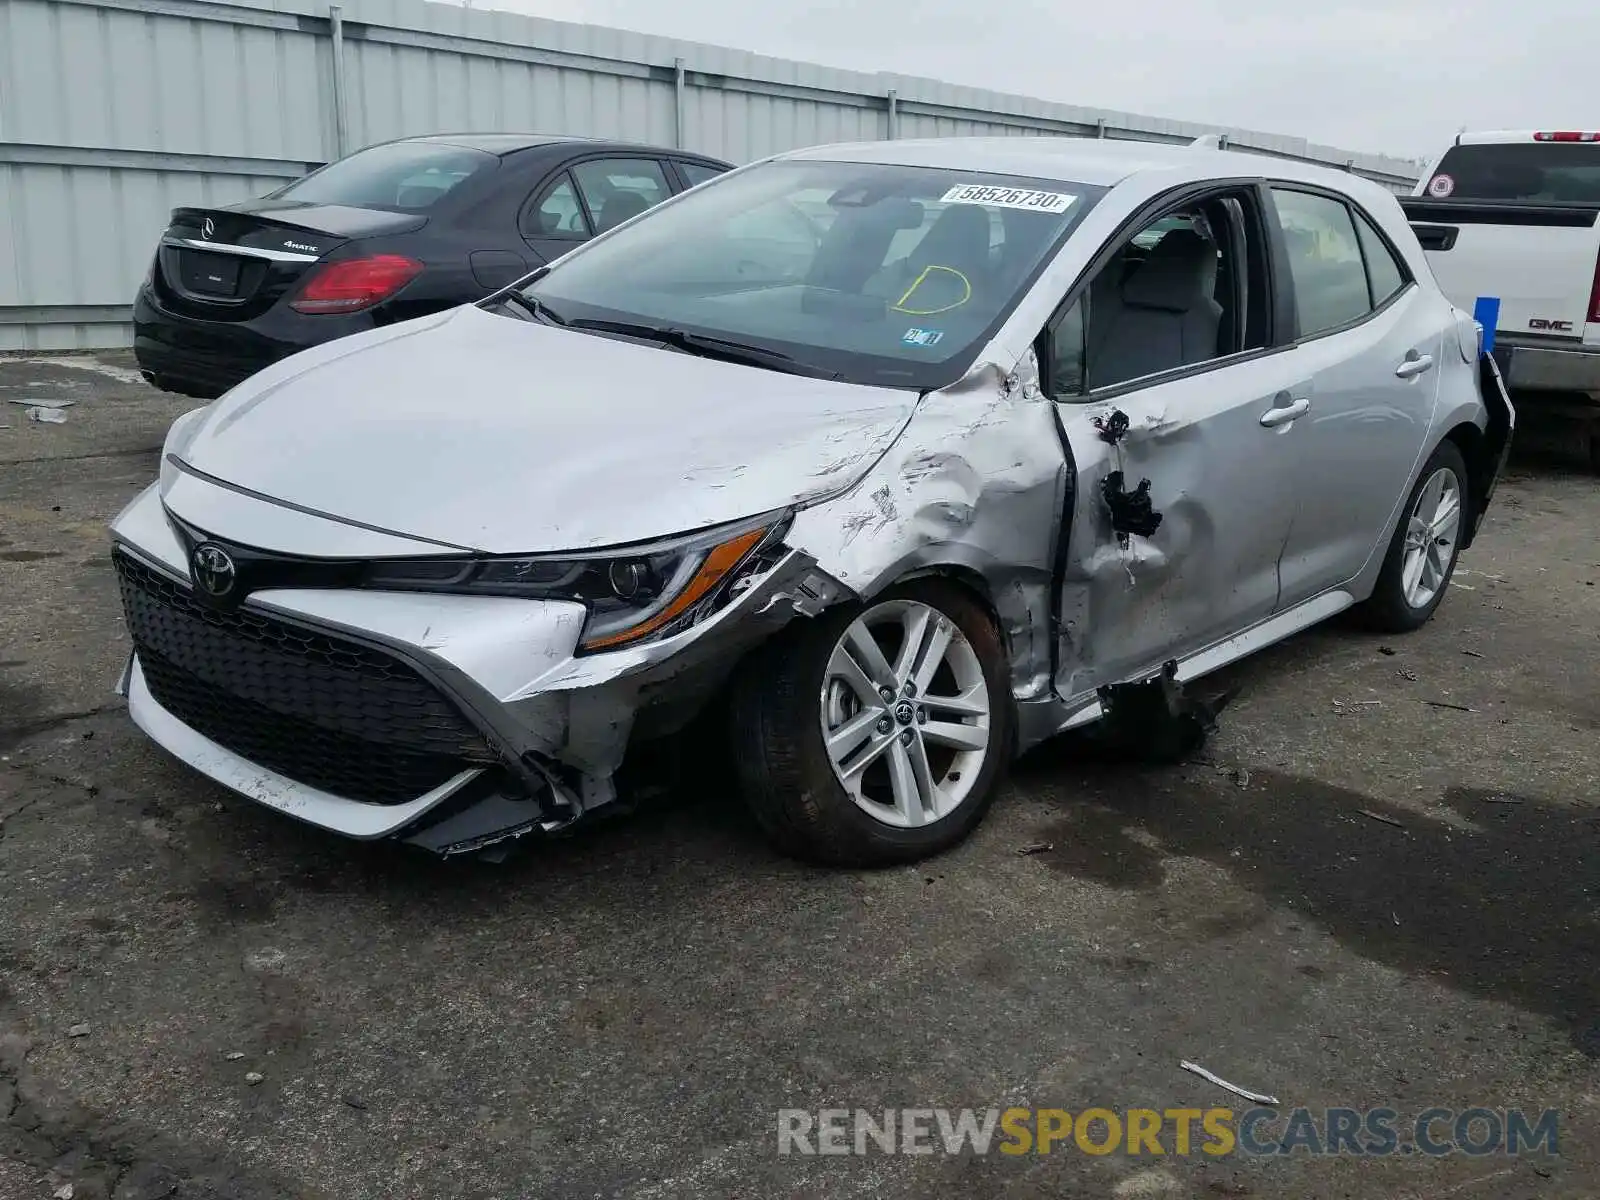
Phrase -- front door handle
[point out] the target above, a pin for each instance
(1286, 413)
(1414, 364)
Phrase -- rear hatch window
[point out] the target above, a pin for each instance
(1531, 173)
(401, 176)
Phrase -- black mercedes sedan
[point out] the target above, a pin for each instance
(391, 232)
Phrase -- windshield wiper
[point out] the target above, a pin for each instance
(537, 309)
(705, 345)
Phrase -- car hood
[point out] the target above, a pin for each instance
(485, 432)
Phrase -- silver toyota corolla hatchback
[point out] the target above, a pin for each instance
(916, 452)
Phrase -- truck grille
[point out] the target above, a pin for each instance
(332, 714)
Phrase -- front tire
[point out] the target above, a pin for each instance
(1423, 551)
(876, 734)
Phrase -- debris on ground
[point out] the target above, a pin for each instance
(1258, 1097)
(356, 1102)
(1447, 704)
(1502, 800)
(1388, 651)
(1367, 812)
(47, 416)
(234, 1055)
(1472, 654)
(253, 1077)
(1341, 707)
(78, 1031)
(64, 1192)
(1241, 777)
(41, 403)
(1406, 673)
(1038, 848)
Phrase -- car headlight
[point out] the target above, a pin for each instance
(633, 594)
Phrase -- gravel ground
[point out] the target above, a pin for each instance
(1376, 887)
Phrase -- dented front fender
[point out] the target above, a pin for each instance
(976, 487)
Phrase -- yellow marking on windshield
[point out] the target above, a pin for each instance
(966, 284)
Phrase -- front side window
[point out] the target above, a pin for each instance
(1325, 263)
(696, 173)
(402, 176)
(873, 272)
(1187, 289)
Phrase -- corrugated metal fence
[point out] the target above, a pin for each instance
(112, 112)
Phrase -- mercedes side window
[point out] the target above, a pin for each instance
(1187, 288)
(558, 213)
(619, 189)
(1325, 262)
(694, 174)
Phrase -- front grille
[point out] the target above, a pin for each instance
(329, 713)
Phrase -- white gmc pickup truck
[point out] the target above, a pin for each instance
(1516, 216)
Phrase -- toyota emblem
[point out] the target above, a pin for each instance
(207, 228)
(213, 570)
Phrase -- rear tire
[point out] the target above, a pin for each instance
(907, 776)
(1424, 548)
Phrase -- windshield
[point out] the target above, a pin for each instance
(1537, 172)
(405, 176)
(879, 274)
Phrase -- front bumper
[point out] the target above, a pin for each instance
(1541, 368)
(541, 731)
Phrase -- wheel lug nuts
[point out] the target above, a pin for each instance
(910, 688)
(905, 738)
(886, 693)
(885, 725)
(922, 716)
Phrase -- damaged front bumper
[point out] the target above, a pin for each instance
(544, 729)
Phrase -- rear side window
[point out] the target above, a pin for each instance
(1386, 275)
(1534, 172)
(617, 189)
(558, 213)
(1325, 264)
(402, 176)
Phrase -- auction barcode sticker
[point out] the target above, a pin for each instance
(1004, 197)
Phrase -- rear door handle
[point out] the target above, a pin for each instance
(1414, 364)
(1285, 413)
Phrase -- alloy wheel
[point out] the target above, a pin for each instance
(905, 713)
(1431, 535)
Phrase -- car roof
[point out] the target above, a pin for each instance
(1501, 137)
(1094, 161)
(514, 143)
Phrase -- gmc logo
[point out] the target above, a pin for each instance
(1552, 326)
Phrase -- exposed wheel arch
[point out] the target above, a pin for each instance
(1020, 604)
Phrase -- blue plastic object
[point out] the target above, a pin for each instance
(1486, 312)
